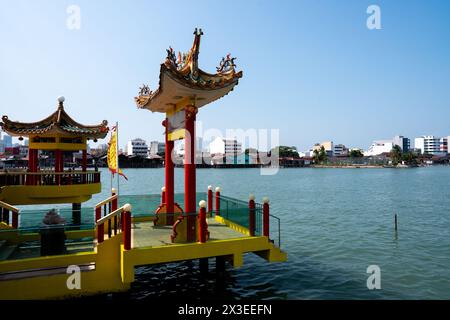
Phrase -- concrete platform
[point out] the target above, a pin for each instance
(144, 234)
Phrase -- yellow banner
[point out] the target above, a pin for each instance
(112, 155)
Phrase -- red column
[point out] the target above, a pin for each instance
(202, 226)
(210, 201)
(251, 215)
(127, 229)
(15, 220)
(30, 166)
(58, 165)
(101, 227)
(218, 201)
(84, 166)
(189, 171)
(266, 217)
(169, 175)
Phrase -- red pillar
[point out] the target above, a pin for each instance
(218, 201)
(127, 229)
(32, 166)
(210, 200)
(189, 171)
(84, 166)
(15, 220)
(58, 165)
(266, 217)
(251, 215)
(101, 227)
(169, 176)
(202, 226)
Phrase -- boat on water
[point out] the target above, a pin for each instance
(79, 251)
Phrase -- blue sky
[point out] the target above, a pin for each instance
(311, 68)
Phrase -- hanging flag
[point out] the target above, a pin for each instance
(113, 158)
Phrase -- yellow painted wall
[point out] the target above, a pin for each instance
(24, 195)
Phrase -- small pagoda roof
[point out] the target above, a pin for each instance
(181, 81)
(58, 122)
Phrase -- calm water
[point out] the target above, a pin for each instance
(335, 223)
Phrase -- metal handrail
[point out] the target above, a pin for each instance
(258, 210)
(279, 229)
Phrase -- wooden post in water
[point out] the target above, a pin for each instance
(395, 222)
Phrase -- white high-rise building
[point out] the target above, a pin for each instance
(137, 147)
(379, 147)
(7, 140)
(339, 150)
(156, 147)
(431, 145)
(225, 146)
(402, 142)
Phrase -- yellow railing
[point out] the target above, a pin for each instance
(117, 221)
(4, 214)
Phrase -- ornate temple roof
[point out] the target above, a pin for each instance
(58, 122)
(181, 79)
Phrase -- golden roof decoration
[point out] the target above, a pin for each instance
(181, 78)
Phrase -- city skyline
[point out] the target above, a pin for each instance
(323, 73)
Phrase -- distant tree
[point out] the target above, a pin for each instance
(286, 152)
(396, 155)
(320, 155)
(356, 153)
(409, 158)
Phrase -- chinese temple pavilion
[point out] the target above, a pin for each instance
(58, 134)
(183, 89)
(129, 231)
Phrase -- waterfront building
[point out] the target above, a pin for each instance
(430, 145)
(156, 148)
(340, 150)
(2, 146)
(443, 145)
(23, 151)
(379, 147)
(137, 147)
(225, 146)
(7, 140)
(403, 142)
(327, 145)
